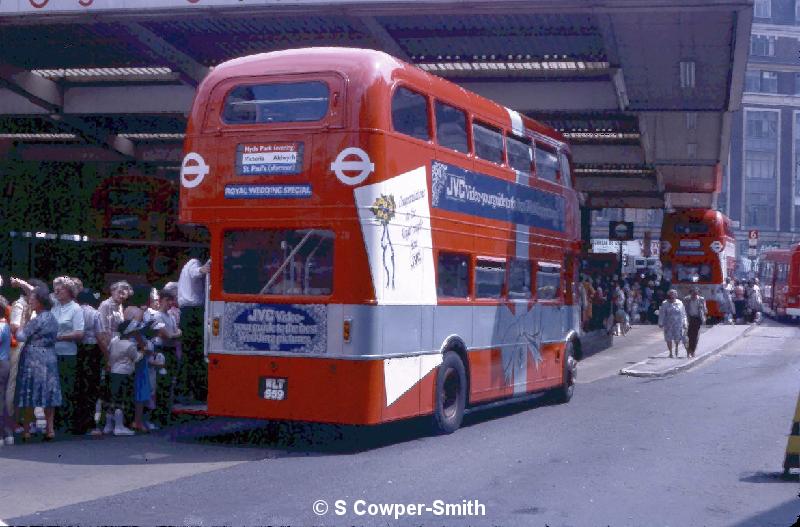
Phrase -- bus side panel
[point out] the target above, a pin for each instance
(321, 390)
(487, 379)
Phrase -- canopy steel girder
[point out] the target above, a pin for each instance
(663, 142)
(48, 95)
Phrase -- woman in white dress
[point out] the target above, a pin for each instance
(672, 319)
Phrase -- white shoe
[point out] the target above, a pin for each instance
(151, 426)
(109, 428)
(9, 440)
(119, 425)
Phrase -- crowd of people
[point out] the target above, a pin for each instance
(100, 368)
(613, 303)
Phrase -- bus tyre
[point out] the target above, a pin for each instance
(563, 393)
(451, 394)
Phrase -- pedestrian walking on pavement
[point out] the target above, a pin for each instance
(695, 305)
(672, 319)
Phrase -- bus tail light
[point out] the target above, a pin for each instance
(346, 328)
(215, 327)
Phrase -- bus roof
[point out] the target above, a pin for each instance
(367, 65)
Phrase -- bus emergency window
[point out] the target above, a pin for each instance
(548, 281)
(519, 279)
(546, 164)
(488, 143)
(692, 227)
(451, 127)
(276, 103)
(410, 114)
(693, 273)
(452, 275)
(278, 262)
(519, 154)
(489, 278)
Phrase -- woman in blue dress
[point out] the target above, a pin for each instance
(37, 380)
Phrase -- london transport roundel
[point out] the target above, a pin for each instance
(195, 166)
(716, 246)
(352, 160)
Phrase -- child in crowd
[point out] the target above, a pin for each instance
(126, 348)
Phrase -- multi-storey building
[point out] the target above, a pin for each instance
(761, 187)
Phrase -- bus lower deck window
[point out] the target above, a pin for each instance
(519, 279)
(489, 278)
(548, 281)
(452, 275)
(278, 262)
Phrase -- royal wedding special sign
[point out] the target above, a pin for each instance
(458, 190)
(289, 328)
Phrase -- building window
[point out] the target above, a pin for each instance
(752, 81)
(796, 197)
(769, 82)
(760, 216)
(762, 125)
(761, 81)
(760, 165)
(762, 46)
(762, 9)
(761, 168)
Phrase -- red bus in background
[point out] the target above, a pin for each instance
(137, 237)
(698, 249)
(779, 273)
(386, 243)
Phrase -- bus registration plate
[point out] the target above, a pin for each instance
(272, 388)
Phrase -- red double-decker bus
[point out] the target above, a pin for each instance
(698, 249)
(779, 273)
(385, 244)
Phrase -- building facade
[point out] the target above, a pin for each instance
(761, 184)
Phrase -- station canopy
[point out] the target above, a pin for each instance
(642, 89)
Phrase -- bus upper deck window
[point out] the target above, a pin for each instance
(451, 128)
(519, 154)
(546, 164)
(566, 176)
(488, 143)
(410, 114)
(691, 227)
(277, 103)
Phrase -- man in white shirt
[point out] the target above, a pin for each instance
(193, 379)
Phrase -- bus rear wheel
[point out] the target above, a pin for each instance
(451, 394)
(564, 393)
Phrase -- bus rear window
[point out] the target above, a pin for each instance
(278, 262)
(693, 273)
(691, 228)
(277, 103)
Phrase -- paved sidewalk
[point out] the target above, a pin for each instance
(712, 341)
